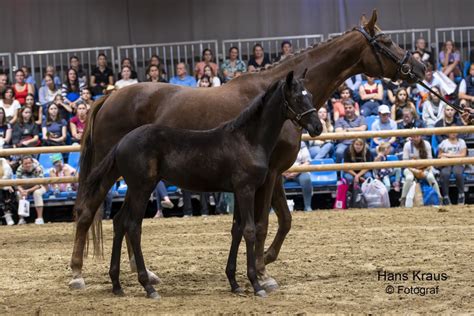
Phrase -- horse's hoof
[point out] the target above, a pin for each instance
(269, 284)
(238, 291)
(153, 278)
(119, 292)
(154, 295)
(77, 284)
(261, 293)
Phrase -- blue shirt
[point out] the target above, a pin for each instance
(379, 126)
(187, 81)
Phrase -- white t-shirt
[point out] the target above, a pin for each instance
(10, 111)
(123, 83)
(410, 151)
(449, 148)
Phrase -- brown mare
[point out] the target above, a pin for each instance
(362, 50)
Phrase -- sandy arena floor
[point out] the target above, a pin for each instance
(330, 262)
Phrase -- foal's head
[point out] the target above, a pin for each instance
(299, 104)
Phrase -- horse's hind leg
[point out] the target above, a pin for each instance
(234, 248)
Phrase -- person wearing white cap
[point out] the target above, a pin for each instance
(384, 123)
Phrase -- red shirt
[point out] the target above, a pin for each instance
(81, 126)
(20, 96)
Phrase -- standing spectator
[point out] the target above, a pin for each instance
(286, 50)
(354, 83)
(384, 174)
(452, 147)
(5, 130)
(207, 60)
(21, 88)
(213, 79)
(232, 65)
(30, 168)
(10, 105)
(126, 78)
(54, 128)
(182, 78)
(78, 124)
(357, 152)
(349, 123)
(449, 119)
(127, 62)
(371, 96)
(101, 76)
(86, 99)
(401, 101)
(338, 104)
(3, 83)
(7, 194)
(425, 55)
(48, 91)
(303, 178)
(35, 109)
(60, 170)
(25, 131)
(417, 148)
(71, 88)
(50, 71)
(466, 89)
(433, 109)
(153, 74)
(156, 61)
(384, 123)
(162, 199)
(450, 59)
(81, 75)
(320, 149)
(259, 59)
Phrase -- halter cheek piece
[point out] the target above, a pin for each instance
(296, 116)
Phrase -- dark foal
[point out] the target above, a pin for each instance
(233, 157)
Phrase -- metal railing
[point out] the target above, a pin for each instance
(463, 38)
(39, 60)
(170, 55)
(6, 65)
(271, 45)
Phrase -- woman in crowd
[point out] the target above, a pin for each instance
(156, 61)
(50, 71)
(21, 88)
(86, 99)
(433, 109)
(78, 124)
(54, 128)
(71, 88)
(5, 130)
(417, 148)
(358, 151)
(37, 110)
(232, 65)
(10, 105)
(65, 109)
(338, 104)
(401, 101)
(320, 149)
(392, 87)
(207, 60)
(452, 147)
(127, 62)
(101, 76)
(214, 80)
(371, 95)
(259, 59)
(153, 74)
(25, 130)
(48, 91)
(126, 80)
(450, 59)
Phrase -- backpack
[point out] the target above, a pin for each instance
(375, 193)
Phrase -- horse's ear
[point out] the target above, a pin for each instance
(371, 25)
(304, 73)
(289, 79)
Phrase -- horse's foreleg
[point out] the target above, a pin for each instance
(234, 249)
(119, 231)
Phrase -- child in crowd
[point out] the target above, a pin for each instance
(59, 170)
(384, 174)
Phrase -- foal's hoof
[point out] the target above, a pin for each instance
(269, 284)
(77, 284)
(238, 291)
(261, 293)
(119, 292)
(154, 295)
(153, 278)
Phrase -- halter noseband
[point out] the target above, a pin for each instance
(296, 116)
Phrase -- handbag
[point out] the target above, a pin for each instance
(24, 208)
(375, 193)
(341, 195)
(355, 197)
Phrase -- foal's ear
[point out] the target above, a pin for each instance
(304, 73)
(371, 24)
(289, 79)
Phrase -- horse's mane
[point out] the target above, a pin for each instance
(255, 106)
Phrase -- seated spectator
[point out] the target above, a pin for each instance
(3, 83)
(126, 78)
(303, 178)
(286, 50)
(338, 104)
(30, 168)
(29, 76)
(357, 152)
(51, 71)
(452, 147)
(86, 99)
(81, 75)
(450, 60)
(48, 91)
(25, 131)
(156, 61)
(384, 174)
(417, 148)
(353, 83)
(204, 82)
(392, 87)
(153, 74)
(5, 130)
(127, 62)
(425, 55)
(232, 65)
(409, 121)
(10, 105)
(65, 109)
(213, 79)
(433, 109)
(259, 59)
(21, 88)
(401, 101)
(101, 76)
(162, 199)
(384, 123)
(449, 119)
(78, 124)
(430, 80)
(54, 128)
(35, 109)
(349, 123)
(7, 194)
(71, 88)
(207, 60)
(371, 96)
(60, 170)
(320, 149)
(466, 89)
(182, 78)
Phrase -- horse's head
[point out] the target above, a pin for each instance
(384, 58)
(299, 105)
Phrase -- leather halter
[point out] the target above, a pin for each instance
(297, 117)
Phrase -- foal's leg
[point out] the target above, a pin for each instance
(234, 249)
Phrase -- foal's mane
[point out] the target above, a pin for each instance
(255, 106)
